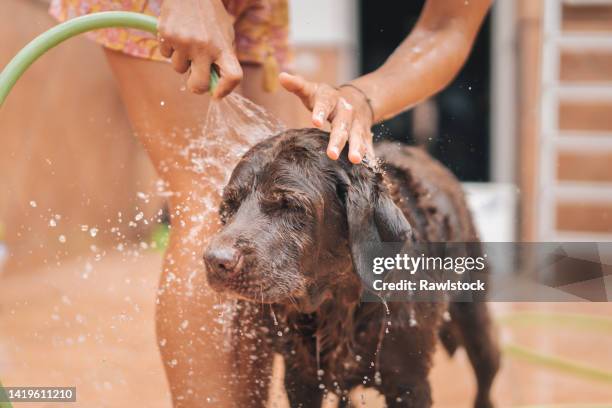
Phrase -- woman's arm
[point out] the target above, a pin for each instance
(426, 61)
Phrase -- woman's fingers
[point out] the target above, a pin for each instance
(180, 61)
(230, 71)
(165, 48)
(230, 74)
(304, 89)
(341, 126)
(358, 143)
(348, 112)
(369, 144)
(325, 101)
(199, 76)
(320, 98)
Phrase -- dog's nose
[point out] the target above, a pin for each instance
(223, 260)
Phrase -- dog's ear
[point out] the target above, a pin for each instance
(372, 219)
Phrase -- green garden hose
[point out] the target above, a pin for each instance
(61, 32)
(4, 402)
(558, 364)
(596, 324)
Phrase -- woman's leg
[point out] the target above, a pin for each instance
(169, 122)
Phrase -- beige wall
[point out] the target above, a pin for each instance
(65, 144)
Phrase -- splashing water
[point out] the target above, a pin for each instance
(273, 315)
(207, 153)
(413, 321)
(384, 329)
(231, 126)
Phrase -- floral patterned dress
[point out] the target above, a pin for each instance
(261, 27)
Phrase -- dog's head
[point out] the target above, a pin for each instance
(295, 223)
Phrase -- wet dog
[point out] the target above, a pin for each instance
(294, 227)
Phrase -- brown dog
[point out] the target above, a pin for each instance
(295, 223)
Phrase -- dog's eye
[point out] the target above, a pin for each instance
(283, 201)
(226, 212)
(230, 204)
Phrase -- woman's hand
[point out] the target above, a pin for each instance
(196, 34)
(347, 109)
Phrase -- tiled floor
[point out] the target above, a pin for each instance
(92, 327)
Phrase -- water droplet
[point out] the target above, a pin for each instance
(33, 204)
(87, 271)
(413, 321)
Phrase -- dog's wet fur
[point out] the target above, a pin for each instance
(294, 226)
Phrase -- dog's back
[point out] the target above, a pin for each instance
(427, 193)
(433, 201)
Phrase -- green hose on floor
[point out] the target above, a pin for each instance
(61, 32)
(3, 397)
(595, 324)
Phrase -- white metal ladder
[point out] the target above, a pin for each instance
(552, 139)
